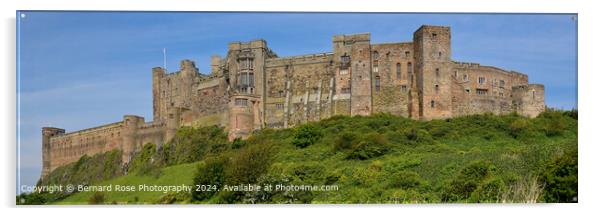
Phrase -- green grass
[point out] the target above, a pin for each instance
(173, 175)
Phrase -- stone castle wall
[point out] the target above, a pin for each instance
(251, 88)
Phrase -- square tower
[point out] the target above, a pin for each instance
(432, 53)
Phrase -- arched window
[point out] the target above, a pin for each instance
(432, 104)
(398, 70)
(437, 88)
(375, 55)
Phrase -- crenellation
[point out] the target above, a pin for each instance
(250, 88)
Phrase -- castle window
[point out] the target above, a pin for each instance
(437, 88)
(533, 92)
(398, 70)
(481, 91)
(467, 90)
(465, 78)
(404, 88)
(482, 80)
(456, 74)
(375, 62)
(279, 106)
(377, 83)
(240, 102)
(434, 36)
(344, 71)
(437, 73)
(251, 79)
(432, 104)
(409, 69)
(502, 83)
(439, 54)
(281, 94)
(345, 59)
(407, 54)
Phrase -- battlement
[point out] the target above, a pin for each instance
(352, 38)
(257, 43)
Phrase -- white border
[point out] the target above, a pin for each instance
(589, 101)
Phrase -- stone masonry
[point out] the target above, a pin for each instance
(253, 88)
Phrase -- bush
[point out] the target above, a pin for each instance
(418, 136)
(560, 179)
(405, 180)
(369, 146)
(467, 181)
(519, 127)
(306, 135)
(210, 173)
(248, 164)
(344, 141)
(489, 190)
(97, 198)
(193, 144)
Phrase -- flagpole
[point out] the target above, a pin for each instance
(165, 60)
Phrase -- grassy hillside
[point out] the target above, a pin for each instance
(374, 159)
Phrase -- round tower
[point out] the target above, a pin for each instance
(131, 123)
(47, 133)
(244, 116)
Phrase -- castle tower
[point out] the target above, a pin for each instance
(245, 66)
(432, 52)
(47, 133)
(353, 53)
(215, 59)
(158, 73)
(528, 100)
(131, 123)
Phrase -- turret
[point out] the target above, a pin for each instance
(215, 59)
(47, 133)
(528, 100)
(131, 123)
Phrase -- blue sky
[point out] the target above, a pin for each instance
(82, 69)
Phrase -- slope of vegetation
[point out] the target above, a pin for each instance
(375, 159)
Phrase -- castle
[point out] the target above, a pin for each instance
(252, 88)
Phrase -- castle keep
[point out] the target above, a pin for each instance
(251, 87)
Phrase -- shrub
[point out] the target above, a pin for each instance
(345, 141)
(405, 180)
(247, 164)
(467, 181)
(193, 144)
(418, 136)
(369, 146)
(97, 198)
(519, 127)
(560, 179)
(489, 190)
(306, 135)
(211, 172)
